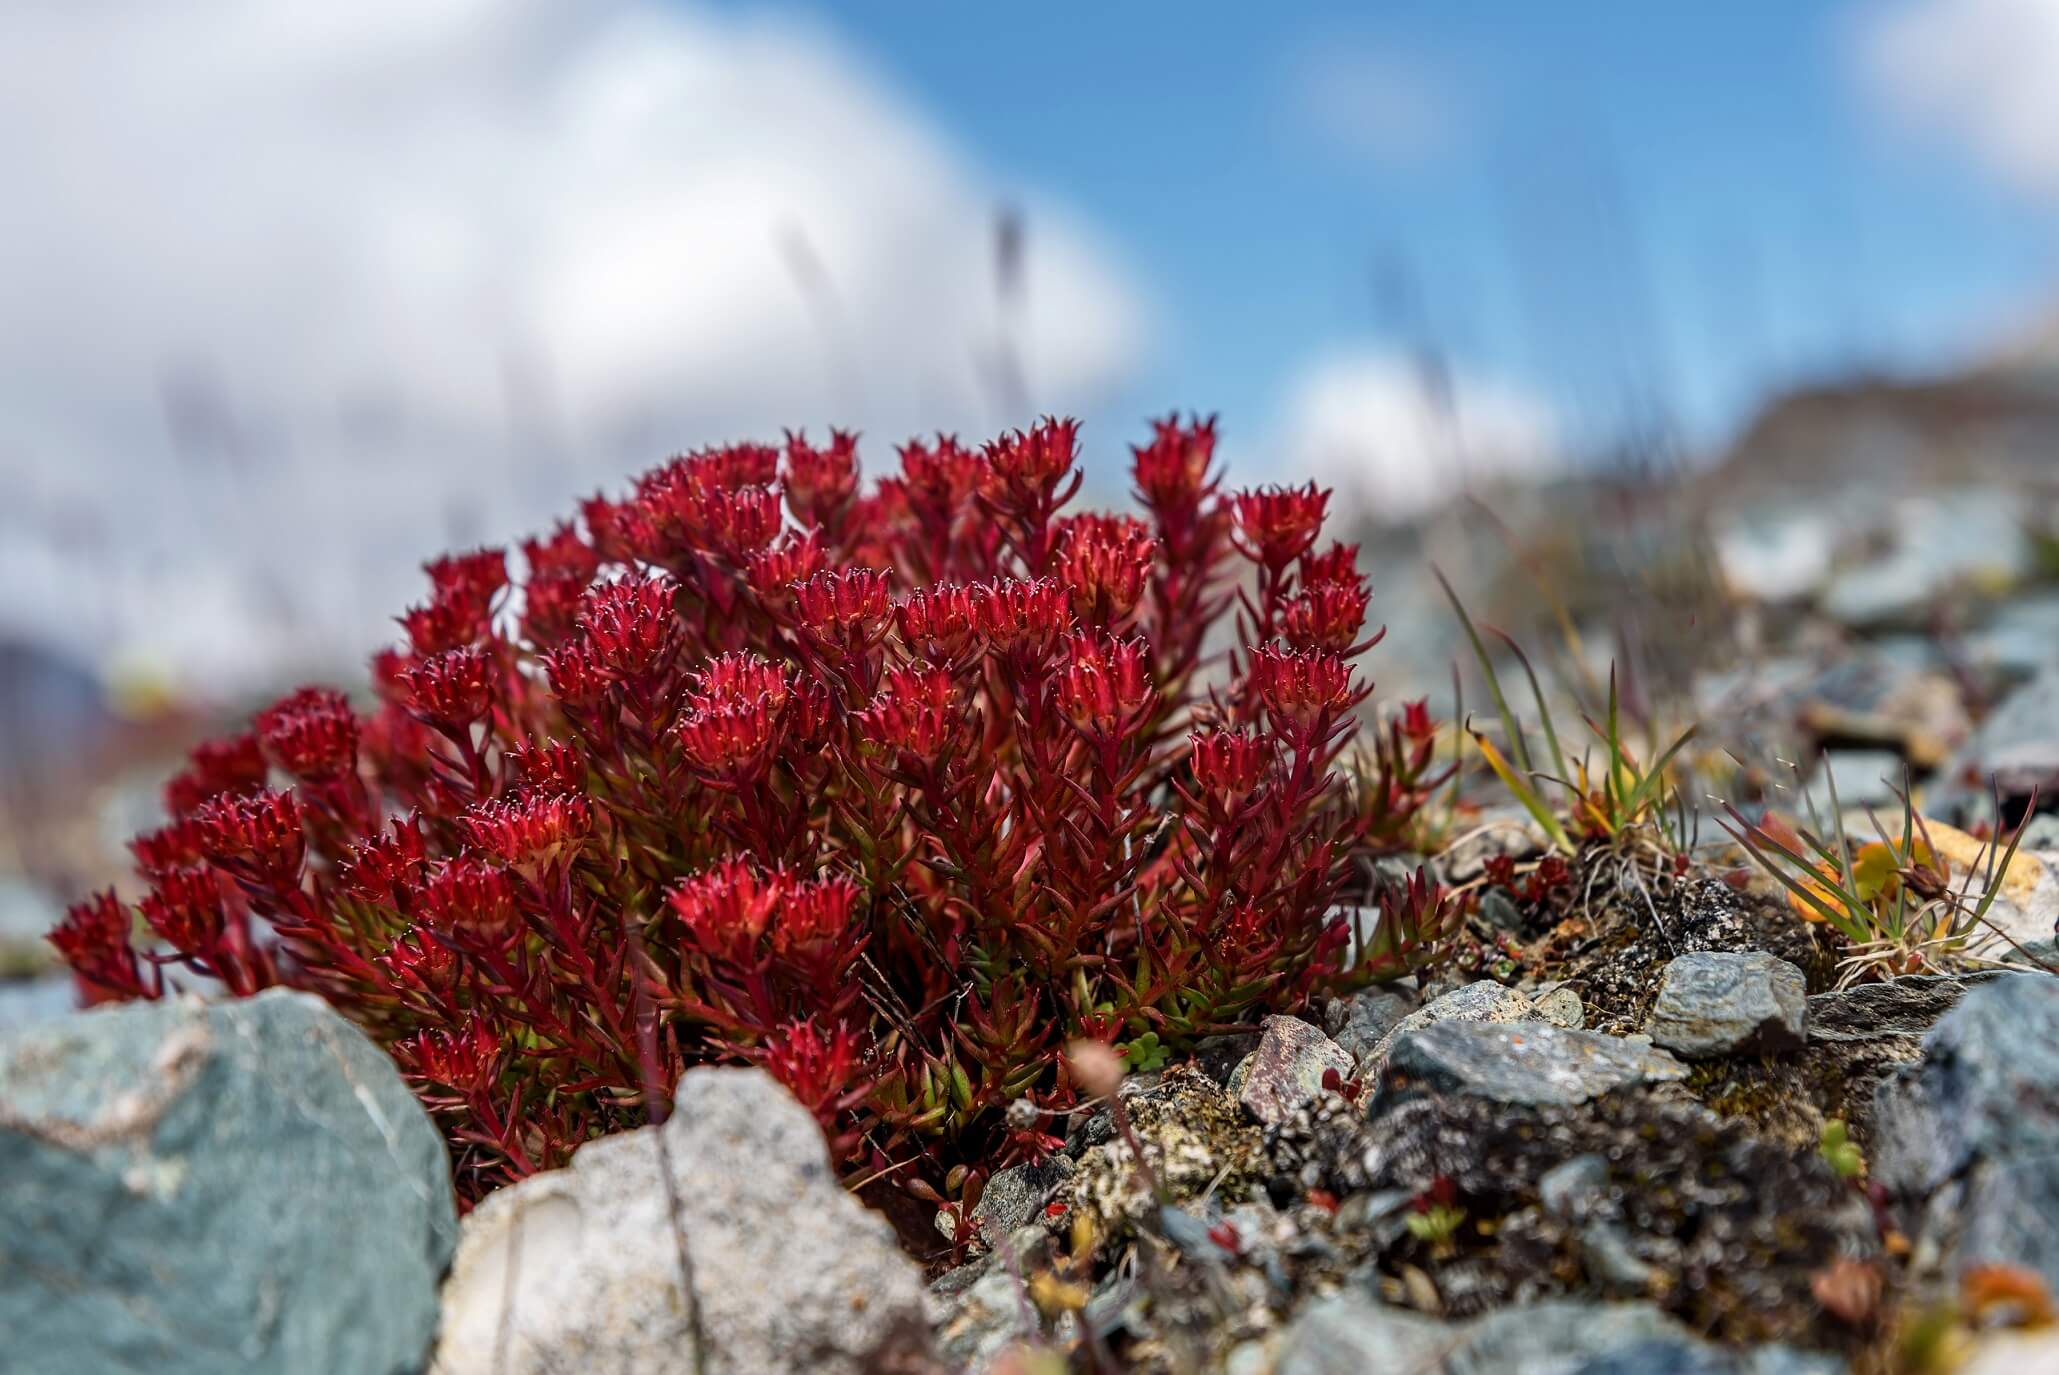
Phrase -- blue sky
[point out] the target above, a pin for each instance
(1622, 205)
(302, 292)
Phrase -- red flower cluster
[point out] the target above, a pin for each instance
(894, 792)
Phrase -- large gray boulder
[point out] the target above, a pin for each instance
(1970, 1134)
(246, 1186)
(752, 1248)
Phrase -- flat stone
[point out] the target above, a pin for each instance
(1904, 1007)
(246, 1186)
(1536, 1065)
(1481, 1001)
(581, 1268)
(1562, 1007)
(1286, 1071)
(1714, 1002)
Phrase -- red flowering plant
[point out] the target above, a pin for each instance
(895, 794)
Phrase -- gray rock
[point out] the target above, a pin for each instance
(2017, 746)
(580, 1268)
(1715, 1003)
(1687, 1356)
(1015, 1196)
(1359, 1022)
(240, 1187)
(1352, 1334)
(1904, 1007)
(1286, 1071)
(1944, 539)
(1612, 1262)
(1973, 1129)
(30, 1002)
(1558, 1337)
(1562, 1007)
(1481, 1001)
(1570, 1191)
(1536, 1065)
(976, 1327)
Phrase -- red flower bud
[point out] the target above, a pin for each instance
(550, 607)
(1280, 524)
(419, 961)
(815, 915)
(730, 738)
(468, 899)
(1338, 563)
(1034, 462)
(850, 599)
(727, 908)
(379, 870)
(1300, 685)
(466, 1060)
(916, 711)
(940, 478)
(1105, 681)
(454, 688)
(258, 833)
(817, 1068)
(1229, 762)
(1017, 616)
(95, 940)
(630, 625)
(1416, 722)
(469, 581)
(186, 909)
(937, 620)
(1104, 561)
(820, 482)
(794, 557)
(1172, 470)
(311, 734)
(577, 676)
(551, 765)
(527, 832)
(742, 679)
(1328, 615)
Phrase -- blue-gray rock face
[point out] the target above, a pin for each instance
(241, 1187)
(1730, 1002)
(1974, 1128)
(1525, 1064)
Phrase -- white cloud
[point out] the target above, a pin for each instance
(1979, 72)
(1394, 107)
(298, 291)
(1369, 425)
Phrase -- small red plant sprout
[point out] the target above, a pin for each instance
(896, 792)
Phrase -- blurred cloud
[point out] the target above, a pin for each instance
(299, 292)
(1979, 72)
(1373, 426)
(1394, 107)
